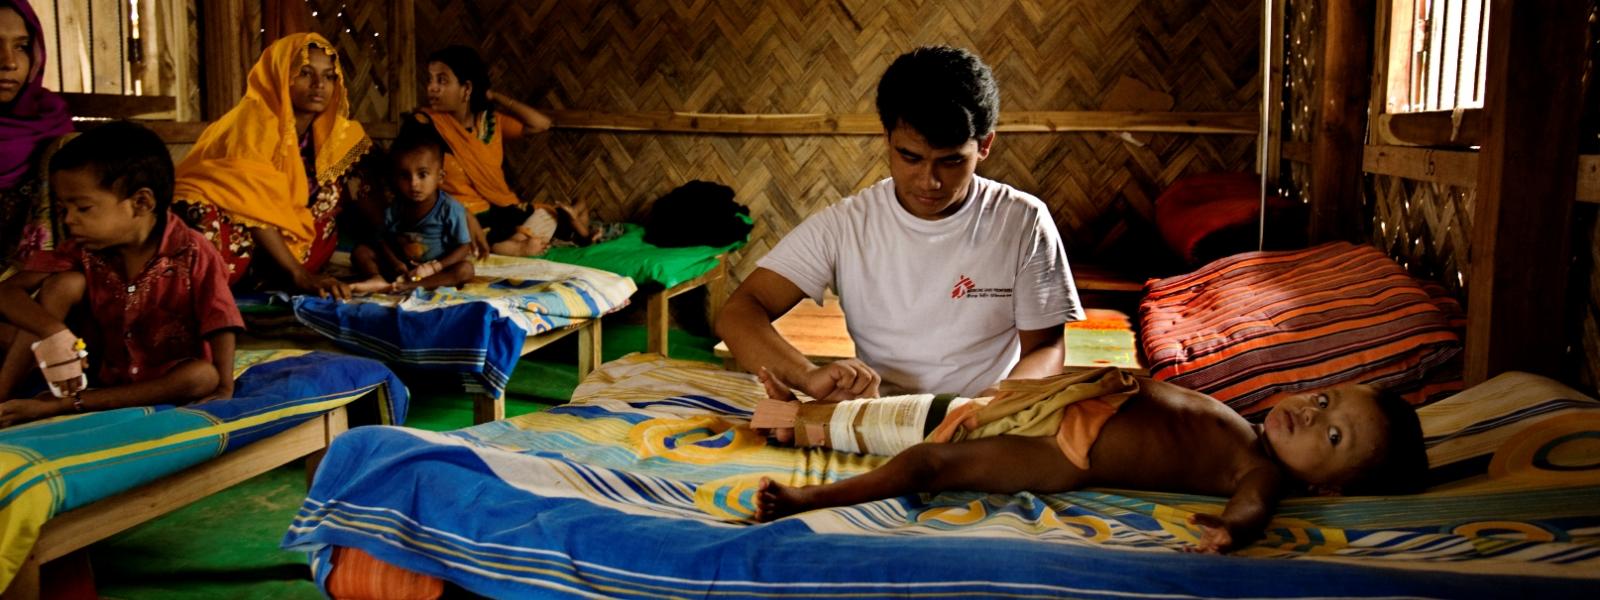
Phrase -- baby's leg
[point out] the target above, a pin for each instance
(365, 261)
(57, 295)
(453, 275)
(1003, 465)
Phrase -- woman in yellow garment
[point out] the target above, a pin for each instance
(475, 121)
(270, 177)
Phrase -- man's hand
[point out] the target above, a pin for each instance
(842, 380)
(321, 285)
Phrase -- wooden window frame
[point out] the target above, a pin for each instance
(1393, 124)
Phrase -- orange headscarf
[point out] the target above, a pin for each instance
(472, 171)
(248, 163)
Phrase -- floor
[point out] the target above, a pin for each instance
(226, 546)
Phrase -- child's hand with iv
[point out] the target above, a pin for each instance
(62, 357)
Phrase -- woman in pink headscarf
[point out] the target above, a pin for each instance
(30, 118)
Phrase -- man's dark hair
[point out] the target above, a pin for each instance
(417, 133)
(126, 156)
(946, 94)
(468, 67)
(1403, 466)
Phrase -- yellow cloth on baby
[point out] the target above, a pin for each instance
(1040, 407)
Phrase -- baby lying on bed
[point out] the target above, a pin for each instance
(1103, 428)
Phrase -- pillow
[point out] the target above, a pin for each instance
(1248, 328)
(1212, 215)
(1516, 427)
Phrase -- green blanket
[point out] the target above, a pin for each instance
(630, 256)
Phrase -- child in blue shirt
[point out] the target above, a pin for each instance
(426, 242)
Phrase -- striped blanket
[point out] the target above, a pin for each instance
(475, 331)
(641, 487)
(53, 466)
(1251, 327)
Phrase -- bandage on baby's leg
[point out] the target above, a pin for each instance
(883, 426)
(61, 358)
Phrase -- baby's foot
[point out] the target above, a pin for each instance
(376, 285)
(775, 501)
(577, 215)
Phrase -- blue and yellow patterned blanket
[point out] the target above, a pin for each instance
(640, 488)
(53, 466)
(475, 331)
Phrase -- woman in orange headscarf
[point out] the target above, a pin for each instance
(269, 177)
(475, 121)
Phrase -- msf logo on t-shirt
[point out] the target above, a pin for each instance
(965, 288)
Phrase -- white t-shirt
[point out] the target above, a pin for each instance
(935, 306)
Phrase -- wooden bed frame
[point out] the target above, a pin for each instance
(76, 529)
(657, 318)
(485, 407)
(492, 407)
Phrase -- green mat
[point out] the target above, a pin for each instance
(226, 546)
(630, 256)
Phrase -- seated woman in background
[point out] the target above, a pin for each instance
(31, 117)
(475, 121)
(271, 176)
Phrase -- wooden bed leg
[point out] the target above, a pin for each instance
(25, 586)
(716, 293)
(333, 424)
(488, 407)
(656, 325)
(589, 349)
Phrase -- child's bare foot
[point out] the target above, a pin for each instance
(521, 244)
(577, 218)
(775, 416)
(775, 501)
(375, 285)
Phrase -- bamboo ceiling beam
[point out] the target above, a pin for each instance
(868, 124)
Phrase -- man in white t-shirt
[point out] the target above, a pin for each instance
(949, 282)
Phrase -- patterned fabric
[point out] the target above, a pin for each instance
(1251, 327)
(140, 329)
(475, 331)
(53, 466)
(248, 165)
(641, 487)
(1470, 444)
(25, 223)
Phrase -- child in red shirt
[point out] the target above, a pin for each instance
(161, 320)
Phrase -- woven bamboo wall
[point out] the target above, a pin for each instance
(1426, 226)
(1301, 46)
(795, 56)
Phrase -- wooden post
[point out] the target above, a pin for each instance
(403, 54)
(283, 17)
(1344, 85)
(1527, 184)
(488, 407)
(225, 35)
